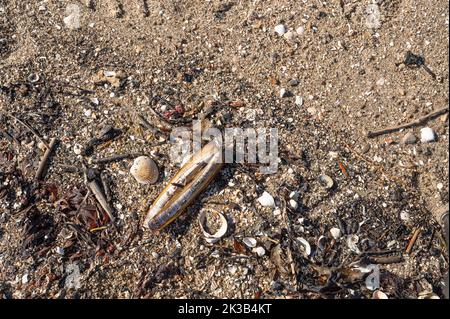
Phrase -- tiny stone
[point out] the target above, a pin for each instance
(404, 216)
(298, 100)
(290, 35)
(294, 82)
(25, 279)
(409, 138)
(440, 186)
(293, 204)
(427, 134)
(77, 149)
(283, 93)
(300, 30)
(280, 29)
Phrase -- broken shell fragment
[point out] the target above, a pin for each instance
(145, 170)
(33, 78)
(213, 238)
(260, 251)
(266, 200)
(305, 244)
(335, 233)
(352, 242)
(326, 181)
(373, 280)
(249, 242)
(427, 134)
(379, 295)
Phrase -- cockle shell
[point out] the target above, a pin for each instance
(145, 170)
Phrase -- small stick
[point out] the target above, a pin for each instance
(113, 158)
(107, 190)
(29, 128)
(385, 259)
(412, 240)
(419, 121)
(96, 190)
(44, 159)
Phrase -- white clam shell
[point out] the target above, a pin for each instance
(266, 200)
(145, 170)
(379, 295)
(305, 244)
(249, 242)
(213, 238)
(260, 251)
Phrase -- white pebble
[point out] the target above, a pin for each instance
(427, 134)
(335, 233)
(280, 29)
(293, 204)
(87, 113)
(259, 251)
(25, 279)
(300, 30)
(298, 100)
(404, 216)
(290, 35)
(283, 93)
(266, 200)
(440, 186)
(77, 149)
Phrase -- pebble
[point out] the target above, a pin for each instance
(266, 200)
(260, 251)
(59, 250)
(404, 216)
(427, 134)
(293, 204)
(409, 138)
(294, 82)
(87, 113)
(25, 279)
(280, 29)
(77, 149)
(300, 30)
(440, 186)
(290, 35)
(283, 93)
(249, 242)
(335, 233)
(311, 110)
(298, 100)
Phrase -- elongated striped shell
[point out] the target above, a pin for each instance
(185, 186)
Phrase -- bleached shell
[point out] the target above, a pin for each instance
(352, 242)
(213, 238)
(260, 251)
(266, 200)
(305, 244)
(326, 181)
(373, 280)
(280, 29)
(379, 295)
(145, 170)
(335, 233)
(249, 242)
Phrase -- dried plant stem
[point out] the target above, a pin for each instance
(413, 240)
(416, 122)
(44, 159)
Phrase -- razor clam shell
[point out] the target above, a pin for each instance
(172, 201)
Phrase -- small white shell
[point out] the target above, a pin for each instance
(293, 204)
(373, 280)
(213, 238)
(321, 242)
(326, 181)
(249, 242)
(335, 233)
(260, 251)
(379, 295)
(305, 244)
(427, 134)
(280, 29)
(145, 170)
(352, 242)
(266, 200)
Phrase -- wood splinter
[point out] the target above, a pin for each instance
(44, 160)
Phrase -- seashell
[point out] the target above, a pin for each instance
(305, 244)
(321, 242)
(293, 204)
(33, 78)
(200, 170)
(213, 238)
(379, 295)
(335, 233)
(373, 280)
(352, 242)
(249, 242)
(427, 134)
(260, 251)
(326, 181)
(280, 29)
(266, 200)
(144, 170)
